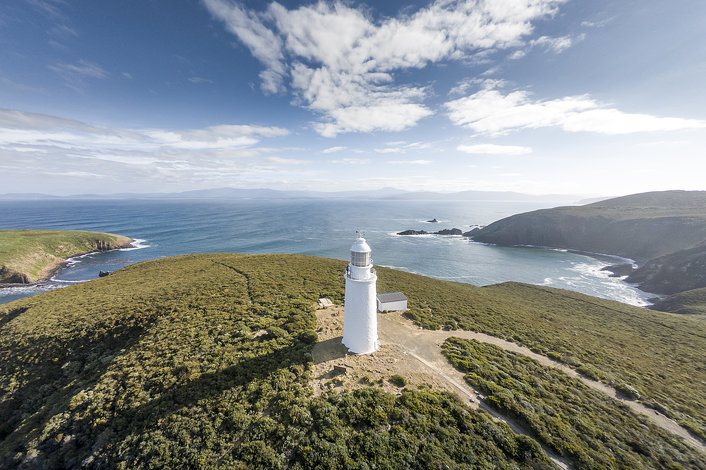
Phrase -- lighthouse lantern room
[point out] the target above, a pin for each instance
(360, 323)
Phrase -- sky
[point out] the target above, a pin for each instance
(537, 96)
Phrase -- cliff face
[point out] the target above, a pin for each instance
(663, 231)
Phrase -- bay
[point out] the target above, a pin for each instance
(315, 227)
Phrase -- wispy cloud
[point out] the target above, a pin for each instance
(493, 149)
(555, 45)
(50, 8)
(403, 147)
(75, 75)
(199, 80)
(53, 145)
(352, 161)
(492, 112)
(287, 161)
(409, 162)
(21, 86)
(333, 149)
(341, 63)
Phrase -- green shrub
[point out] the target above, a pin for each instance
(397, 380)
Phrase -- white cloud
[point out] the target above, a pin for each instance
(403, 147)
(409, 162)
(517, 55)
(262, 42)
(556, 45)
(340, 63)
(333, 149)
(352, 161)
(493, 149)
(491, 112)
(45, 144)
(199, 80)
(287, 161)
(48, 148)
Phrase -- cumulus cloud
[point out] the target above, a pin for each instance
(341, 63)
(492, 112)
(493, 149)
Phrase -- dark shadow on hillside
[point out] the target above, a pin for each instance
(206, 386)
(53, 383)
(329, 350)
(11, 315)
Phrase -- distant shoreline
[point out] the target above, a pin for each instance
(46, 272)
(59, 266)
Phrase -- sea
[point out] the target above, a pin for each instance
(318, 227)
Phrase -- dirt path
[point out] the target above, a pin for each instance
(405, 346)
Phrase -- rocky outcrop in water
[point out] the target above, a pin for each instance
(446, 231)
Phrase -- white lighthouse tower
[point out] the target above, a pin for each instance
(360, 322)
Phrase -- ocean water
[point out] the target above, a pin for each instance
(315, 227)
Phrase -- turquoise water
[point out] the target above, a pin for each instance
(314, 227)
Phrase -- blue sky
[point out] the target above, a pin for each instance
(536, 96)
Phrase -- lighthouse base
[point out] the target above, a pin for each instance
(360, 321)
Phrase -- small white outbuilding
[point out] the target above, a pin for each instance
(391, 301)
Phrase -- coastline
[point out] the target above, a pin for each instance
(57, 265)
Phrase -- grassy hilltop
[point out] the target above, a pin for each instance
(204, 361)
(28, 256)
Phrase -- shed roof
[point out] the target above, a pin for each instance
(391, 296)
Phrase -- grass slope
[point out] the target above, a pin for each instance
(28, 256)
(165, 363)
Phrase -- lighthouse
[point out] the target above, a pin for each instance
(360, 322)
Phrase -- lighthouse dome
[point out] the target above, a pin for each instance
(360, 246)
(360, 253)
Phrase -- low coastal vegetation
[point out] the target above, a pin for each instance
(589, 429)
(28, 256)
(204, 361)
(658, 354)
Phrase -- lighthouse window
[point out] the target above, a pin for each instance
(360, 259)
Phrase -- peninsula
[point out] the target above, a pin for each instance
(31, 256)
(664, 232)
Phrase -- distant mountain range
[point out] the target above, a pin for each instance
(385, 193)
